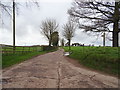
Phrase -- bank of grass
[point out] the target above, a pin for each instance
(101, 58)
(15, 58)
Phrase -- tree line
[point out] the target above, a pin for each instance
(49, 28)
(95, 16)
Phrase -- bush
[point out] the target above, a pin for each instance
(48, 48)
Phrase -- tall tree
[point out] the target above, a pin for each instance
(55, 38)
(48, 27)
(5, 7)
(62, 42)
(8, 9)
(69, 30)
(97, 16)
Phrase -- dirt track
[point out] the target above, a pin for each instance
(52, 70)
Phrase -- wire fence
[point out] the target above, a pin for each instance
(20, 49)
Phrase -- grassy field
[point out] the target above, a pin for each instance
(9, 59)
(101, 58)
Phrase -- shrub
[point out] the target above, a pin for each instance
(48, 48)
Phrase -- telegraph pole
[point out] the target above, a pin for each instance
(14, 25)
(103, 39)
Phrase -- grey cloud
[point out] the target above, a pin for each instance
(29, 20)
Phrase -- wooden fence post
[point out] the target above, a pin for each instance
(36, 48)
(29, 48)
(23, 49)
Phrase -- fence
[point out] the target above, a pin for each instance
(20, 49)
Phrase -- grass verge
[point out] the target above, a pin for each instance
(11, 59)
(104, 59)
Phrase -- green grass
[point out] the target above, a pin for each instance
(11, 59)
(100, 58)
(21, 54)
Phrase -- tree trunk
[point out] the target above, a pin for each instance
(115, 25)
(69, 41)
(13, 26)
(104, 39)
(49, 42)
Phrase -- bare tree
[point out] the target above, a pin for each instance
(97, 16)
(48, 27)
(8, 9)
(62, 42)
(69, 30)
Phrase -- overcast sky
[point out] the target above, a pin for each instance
(29, 19)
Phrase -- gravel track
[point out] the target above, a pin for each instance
(52, 70)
